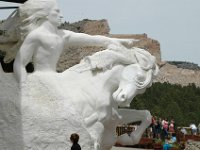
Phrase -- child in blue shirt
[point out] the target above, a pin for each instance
(167, 146)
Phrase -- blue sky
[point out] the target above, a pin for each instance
(175, 24)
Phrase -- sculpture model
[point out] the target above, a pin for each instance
(84, 99)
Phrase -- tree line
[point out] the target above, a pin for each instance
(171, 101)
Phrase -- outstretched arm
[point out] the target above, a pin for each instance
(23, 57)
(132, 115)
(73, 39)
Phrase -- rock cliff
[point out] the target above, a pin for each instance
(172, 72)
(169, 72)
(71, 57)
(176, 75)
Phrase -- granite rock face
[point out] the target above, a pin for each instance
(92, 27)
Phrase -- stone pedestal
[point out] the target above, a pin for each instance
(35, 117)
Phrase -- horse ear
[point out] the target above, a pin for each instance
(144, 58)
(155, 70)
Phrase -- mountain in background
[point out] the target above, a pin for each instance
(183, 73)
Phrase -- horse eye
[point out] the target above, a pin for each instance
(140, 77)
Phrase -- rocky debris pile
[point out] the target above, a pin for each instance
(193, 145)
(185, 65)
(92, 27)
(153, 46)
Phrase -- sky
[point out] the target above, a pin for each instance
(175, 24)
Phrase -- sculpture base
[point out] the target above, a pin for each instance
(35, 117)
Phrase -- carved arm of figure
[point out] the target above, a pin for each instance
(73, 39)
(132, 115)
(23, 57)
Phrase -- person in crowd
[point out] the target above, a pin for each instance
(173, 138)
(193, 129)
(183, 131)
(198, 129)
(154, 124)
(74, 139)
(167, 146)
(158, 128)
(149, 132)
(165, 127)
(175, 125)
(171, 126)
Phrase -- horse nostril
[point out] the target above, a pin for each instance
(123, 97)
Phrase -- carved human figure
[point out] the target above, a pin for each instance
(44, 42)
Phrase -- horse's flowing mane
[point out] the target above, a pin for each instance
(106, 59)
(33, 13)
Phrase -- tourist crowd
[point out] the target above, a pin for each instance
(166, 129)
(161, 128)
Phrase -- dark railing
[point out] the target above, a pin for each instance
(9, 7)
(14, 1)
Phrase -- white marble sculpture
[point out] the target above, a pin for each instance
(49, 106)
(84, 99)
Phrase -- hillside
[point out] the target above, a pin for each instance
(171, 101)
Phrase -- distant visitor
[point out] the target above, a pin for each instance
(74, 139)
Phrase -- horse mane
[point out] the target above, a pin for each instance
(106, 59)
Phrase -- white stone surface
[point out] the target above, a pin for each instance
(48, 117)
(10, 113)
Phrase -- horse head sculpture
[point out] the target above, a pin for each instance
(135, 78)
